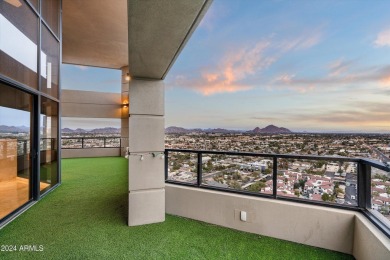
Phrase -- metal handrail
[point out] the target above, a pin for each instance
(101, 138)
(363, 179)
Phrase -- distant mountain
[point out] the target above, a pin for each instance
(176, 130)
(80, 130)
(270, 129)
(220, 131)
(67, 131)
(181, 130)
(14, 129)
(105, 130)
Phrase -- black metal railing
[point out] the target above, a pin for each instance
(91, 142)
(357, 191)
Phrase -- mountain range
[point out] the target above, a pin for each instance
(105, 130)
(270, 129)
(14, 129)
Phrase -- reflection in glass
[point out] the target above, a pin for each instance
(51, 13)
(245, 173)
(15, 143)
(50, 60)
(49, 144)
(182, 167)
(380, 193)
(18, 42)
(318, 180)
(35, 4)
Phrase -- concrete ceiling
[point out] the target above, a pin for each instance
(158, 30)
(94, 33)
(148, 37)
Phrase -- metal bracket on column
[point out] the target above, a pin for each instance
(142, 155)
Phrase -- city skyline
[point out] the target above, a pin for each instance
(307, 66)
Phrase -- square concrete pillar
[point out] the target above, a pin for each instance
(146, 207)
(146, 145)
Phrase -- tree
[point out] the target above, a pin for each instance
(235, 185)
(302, 183)
(209, 165)
(325, 197)
(257, 186)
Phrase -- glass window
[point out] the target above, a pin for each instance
(51, 13)
(49, 143)
(18, 42)
(35, 3)
(50, 62)
(15, 146)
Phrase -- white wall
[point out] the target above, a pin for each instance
(335, 229)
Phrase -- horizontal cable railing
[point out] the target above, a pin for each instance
(341, 182)
(92, 142)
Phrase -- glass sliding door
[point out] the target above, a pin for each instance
(15, 148)
(30, 44)
(48, 144)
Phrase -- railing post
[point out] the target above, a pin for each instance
(200, 165)
(275, 177)
(104, 142)
(120, 142)
(166, 164)
(82, 142)
(364, 186)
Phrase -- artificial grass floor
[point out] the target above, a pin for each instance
(85, 218)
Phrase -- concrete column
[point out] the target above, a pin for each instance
(146, 139)
(125, 110)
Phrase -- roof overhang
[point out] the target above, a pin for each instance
(147, 36)
(94, 33)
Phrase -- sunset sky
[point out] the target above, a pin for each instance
(305, 65)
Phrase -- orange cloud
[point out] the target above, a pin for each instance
(228, 75)
(385, 81)
(236, 66)
(383, 39)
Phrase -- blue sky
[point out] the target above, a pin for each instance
(306, 65)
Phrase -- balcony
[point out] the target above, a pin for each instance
(88, 213)
(74, 147)
(290, 197)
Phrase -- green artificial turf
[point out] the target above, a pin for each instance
(85, 218)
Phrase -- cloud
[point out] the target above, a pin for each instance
(383, 39)
(228, 75)
(233, 70)
(338, 67)
(81, 67)
(364, 114)
(288, 81)
(338, 77)
(305, 41)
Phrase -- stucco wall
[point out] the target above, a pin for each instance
(335, 229)
(89, 152)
